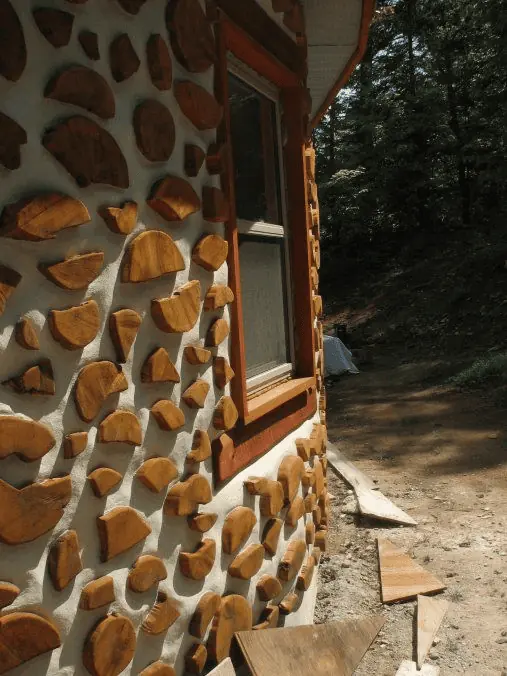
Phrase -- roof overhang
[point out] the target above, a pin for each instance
(337, 35)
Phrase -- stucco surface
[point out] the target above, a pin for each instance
(26, 564)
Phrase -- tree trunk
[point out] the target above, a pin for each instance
(455, 126)
(425, 217)
(365, 132)
(411, 9)
(332, 137)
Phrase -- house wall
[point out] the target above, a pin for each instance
(26, 565)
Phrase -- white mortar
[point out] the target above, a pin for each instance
(25, 565)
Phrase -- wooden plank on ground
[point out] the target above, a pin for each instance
(320, 650)
(430, 613)
(408, 668)
(347, 469)
(401, 578)
(372, 503)
(225, 668)
(375, 505)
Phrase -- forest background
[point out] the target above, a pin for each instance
(412, 167)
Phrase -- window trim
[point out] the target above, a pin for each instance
(260, 228)
(242, 71)
(276, 411)
(258, 383)
(265, 229)
(278, 395)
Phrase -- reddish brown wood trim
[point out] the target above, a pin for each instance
(295, 170)
(279, 395)
(366, 19)
(268, 145)
(254, 20)
(252, 441)
(254, 437)
(238, 360)
(257, 56)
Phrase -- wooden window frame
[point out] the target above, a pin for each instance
(272, 229)
(266, 418)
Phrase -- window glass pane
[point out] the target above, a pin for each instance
(263, 284)
(254, 132)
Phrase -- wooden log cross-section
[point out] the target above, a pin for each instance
(202, 522)
(157, 473)
(42, 217)
(205, 610)
(26, 335)
(248, 562)
(13, 57)
(179, 312)
(110, 646)
(98, 593)
(8, 594)
(120, 220)
(196, 565)
(24, 636)
(159, 63)
(35, 380)
(74, 273)
(191, 35)
(85, 88)
(28, 439)
(163, 615)
(13, 137)
(9, 280)
(29, 512)
(103, 480)
(237, 528)
(201, 447)
(158, 368)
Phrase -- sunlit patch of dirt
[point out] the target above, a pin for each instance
(441, 456)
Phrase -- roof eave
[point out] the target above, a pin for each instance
(368, 8)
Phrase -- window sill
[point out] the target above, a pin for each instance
(237, 449)
(262, 404)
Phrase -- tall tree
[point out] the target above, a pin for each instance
(416, 143)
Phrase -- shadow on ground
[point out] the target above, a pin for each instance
(388, 412)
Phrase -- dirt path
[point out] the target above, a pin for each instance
(442, 457)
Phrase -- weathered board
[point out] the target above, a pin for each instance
(336, 648)
(401, 578)
(430, 613)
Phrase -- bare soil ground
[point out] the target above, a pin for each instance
(441, 456)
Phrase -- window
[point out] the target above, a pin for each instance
(255, 135)
(262, 226)
(272, 323)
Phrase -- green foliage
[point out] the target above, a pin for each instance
(417, 142)
(489, 369)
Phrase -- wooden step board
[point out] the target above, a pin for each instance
(430, 613)
(401, 578)
(317, 650)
